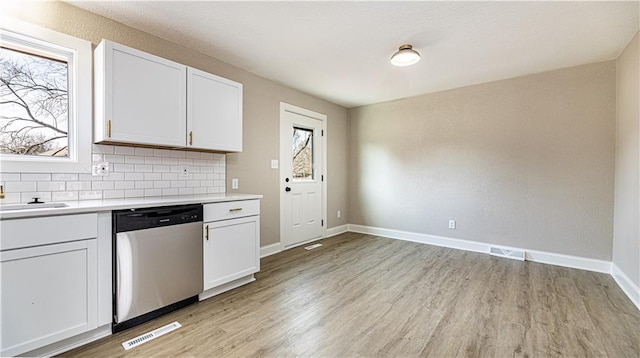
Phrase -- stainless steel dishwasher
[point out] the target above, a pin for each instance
(157, 262)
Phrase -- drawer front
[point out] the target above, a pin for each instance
(18, 233)
(231, 209)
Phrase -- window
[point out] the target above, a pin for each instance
(302, 154)
(45, 100)
(35, 104)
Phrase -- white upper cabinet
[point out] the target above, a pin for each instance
(140, 98)
(214, 112)
(145, 99)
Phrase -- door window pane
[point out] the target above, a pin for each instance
(302, 154)
(34, 104)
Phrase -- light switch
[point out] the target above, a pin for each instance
(274, 164)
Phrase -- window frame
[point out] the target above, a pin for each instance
(80, 86)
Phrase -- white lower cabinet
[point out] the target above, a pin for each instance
(49, 293)
(231, 242)
(50, 288)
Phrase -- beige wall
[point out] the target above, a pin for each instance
(626, 241)
(261, 108)
(526, 162)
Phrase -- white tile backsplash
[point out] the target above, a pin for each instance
(64, 177)
(124, 185)
(16, 186)
(133, 193)
(9, 177)
(64, 196)
(90, 194)
(52, 186)
(177, 154)
(152, 160)
(133, 176)
(163, 153)
(124, 150)
(185, 191)
(152, 192)
(134, 172)
(112, 194)
(152, 176)
(35, 177)
(170, 161)
(78, 185)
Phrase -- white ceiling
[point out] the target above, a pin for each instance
(340, 50)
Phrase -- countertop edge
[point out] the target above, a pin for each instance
(94, 206)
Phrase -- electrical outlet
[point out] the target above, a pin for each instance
(184, 171)
(452, 224)
(234, 184)
(339, 214)
(100, 169)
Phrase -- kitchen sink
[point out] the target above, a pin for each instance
(32, 206)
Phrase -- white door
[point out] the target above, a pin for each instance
(301, 175)
(214, 112)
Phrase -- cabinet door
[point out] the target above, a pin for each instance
(214, 112)
(49, 293)
(140, 98)
(231, 250)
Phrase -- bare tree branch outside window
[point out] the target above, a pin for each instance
(302, 154)
(34, 105)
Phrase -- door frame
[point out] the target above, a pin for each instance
(285, 107)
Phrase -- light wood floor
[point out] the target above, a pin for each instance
(361, 295)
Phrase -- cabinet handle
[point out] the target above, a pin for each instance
(190, 137)
(109, 128)
(236, 209)
(207, 233)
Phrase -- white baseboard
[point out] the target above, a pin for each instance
(337, 230)
(551, 258)
(422, 238)
(68, 344)
(270, 249)
(582, 263)
(628, 287)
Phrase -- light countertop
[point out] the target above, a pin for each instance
(88, 206)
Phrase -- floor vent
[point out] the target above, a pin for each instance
(151, 335)
(311, 247)
(507, 253)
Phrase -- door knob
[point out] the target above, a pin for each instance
(287, 189)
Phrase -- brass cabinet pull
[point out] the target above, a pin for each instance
(236, 209)
(190, 137)
(207, 233)
(109, 128)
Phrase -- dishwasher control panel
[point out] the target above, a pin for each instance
(136, 219)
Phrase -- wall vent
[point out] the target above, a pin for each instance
(507, 253)
(150, 335)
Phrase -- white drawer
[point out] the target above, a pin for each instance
(18, 233)
(231, 209)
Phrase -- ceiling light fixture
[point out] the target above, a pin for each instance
(405, 56)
